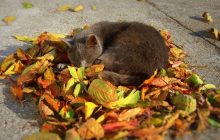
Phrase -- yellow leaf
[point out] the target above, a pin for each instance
(89, 108)
(25, 38)
(49, 75)
(207, 17)
(10, 70)
(78, 8)
(94, 7)
(215, 32)
(9, 19)
(64, 7)
(19, 67)
(57, 36)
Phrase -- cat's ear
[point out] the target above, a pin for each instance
(68, 41)
(91, 40)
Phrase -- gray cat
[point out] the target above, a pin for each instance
(130, 51)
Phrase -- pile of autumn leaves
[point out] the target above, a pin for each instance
(73, 106)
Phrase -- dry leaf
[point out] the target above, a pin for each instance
(9, 19)
(64, 7)
(78, 8)
(215, 32)
(207, 17)
(91, 129)
(94, 7)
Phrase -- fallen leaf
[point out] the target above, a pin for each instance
(146, 82)
(122, 125)
(24, 38)
(160, 81)
(45, 111)
(54, 103)
(195, 80)
(64, 7)
(67, 112)
(77, 8)
(94, 69)
(94, 7)
(42, 136)
(17, 92)
(207, 17)
(91, 129)
(102, 91)
(27, 5)
(215, 33)
(72, 134)
(9, 19)
(89, 108)
(184, 102)
(131, 113)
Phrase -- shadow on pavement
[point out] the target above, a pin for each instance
(203, 33)
(28, 108)
(199, 18)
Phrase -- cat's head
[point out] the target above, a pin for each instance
(83, 51)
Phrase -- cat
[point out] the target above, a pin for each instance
(130, 51)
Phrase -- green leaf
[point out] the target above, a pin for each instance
(73, 72)
(102, 91)
(27, 5)
(89, 108)
(195, 80)
(81, 73)
(70, 83)
(184, 102)
(9, 60)
(163, 72)
(78, 89)
(131, 99)
(213, 122)
(207, 87)
(42, 136)
(66, 112)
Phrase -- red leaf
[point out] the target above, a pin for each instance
(123, 125)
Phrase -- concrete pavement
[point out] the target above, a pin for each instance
(180, 17)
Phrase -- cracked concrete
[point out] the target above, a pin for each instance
(180, 17)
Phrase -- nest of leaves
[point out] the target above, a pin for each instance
(76, 106)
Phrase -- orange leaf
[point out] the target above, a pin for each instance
(25, 78)
(17, 92)
(43, 83)
(131, 113)
(44, 109)
(91, 129)
(143, 92)
(49, 75)
(54, 103)
(123, 125)
(21, 54)
(146, 82)
(159, 82)
(90, 71)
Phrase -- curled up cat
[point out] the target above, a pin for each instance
(130, 51)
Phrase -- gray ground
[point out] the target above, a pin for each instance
(181, 17)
